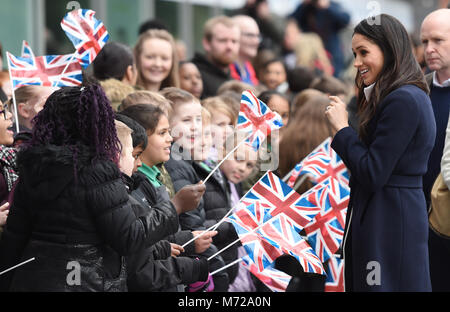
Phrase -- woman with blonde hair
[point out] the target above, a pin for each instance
(156, 60)
(306, 130)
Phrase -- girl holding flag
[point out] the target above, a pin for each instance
(385, 244)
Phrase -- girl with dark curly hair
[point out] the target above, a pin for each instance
(71, 209)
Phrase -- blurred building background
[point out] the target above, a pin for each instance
(38, 21)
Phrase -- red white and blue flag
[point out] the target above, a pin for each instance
(321, 163)
(335, 275)
(281, 232)
(26, 50)
(260, 251)
(276, 196)
(274, 279)
(325, 232)
(44, 71)
(256, 118)
(87, 34)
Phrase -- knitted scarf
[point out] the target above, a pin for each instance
(8, 156)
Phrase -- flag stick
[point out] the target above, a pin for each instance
(215, 226)
(224, 267)
(300, 182)
(13, 94)
(237, 240)
(64, 71)
(17, 265)
(232, 151)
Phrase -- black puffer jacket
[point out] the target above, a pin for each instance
(76, 226)
(217, 204)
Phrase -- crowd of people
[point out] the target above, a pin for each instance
(103, 183)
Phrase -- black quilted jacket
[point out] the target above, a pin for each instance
(77, 226)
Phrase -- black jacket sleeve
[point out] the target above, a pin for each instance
(116, 221)
(148, 274)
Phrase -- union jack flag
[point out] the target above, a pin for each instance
(26, 50)
(321, 163)
(273, 194)
(256, 118)
(87, 34)
(274, 279)
(44, 71)
(326, 231)
(281, 232)
(335, 275)
(261, 252)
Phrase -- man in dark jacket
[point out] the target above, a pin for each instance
(435, 35)
(221, 44)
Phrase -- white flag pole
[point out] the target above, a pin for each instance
(237, 240)
(17, 265)
(300, 182)
(228, 265)
(220, 163)
(215, 226)
(16, 117)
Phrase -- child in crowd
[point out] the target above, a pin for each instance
(70, 201)
(190, 78)
(237, 168)
(274, 75)
(156, 268)
(186, 124)
(146, 97)
(216, 200)
(277, 102)
(155, 123)
(156, 60)
(116, 71)
(30, 101)
(8, 166)
(223, 120)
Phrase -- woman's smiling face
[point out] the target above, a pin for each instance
(6, 135)
(369, 58)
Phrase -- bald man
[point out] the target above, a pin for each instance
(250, 39)
(435, 36)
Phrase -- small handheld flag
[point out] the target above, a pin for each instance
(87, 34)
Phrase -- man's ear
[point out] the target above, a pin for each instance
(23, 110)
(129, 74)
(206, 45)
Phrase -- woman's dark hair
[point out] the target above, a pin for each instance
(400, 66)
(275, 60)
(74, 116)
(147, 115)
(138, 135)
(113, 61)
(265, 96)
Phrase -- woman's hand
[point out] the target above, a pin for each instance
(4, 210)
(337, 113)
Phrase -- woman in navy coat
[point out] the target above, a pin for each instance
(385, 242)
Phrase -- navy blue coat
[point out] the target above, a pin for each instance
(387, 222)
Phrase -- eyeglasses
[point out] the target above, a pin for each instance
(5, 110)
(252, 35)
